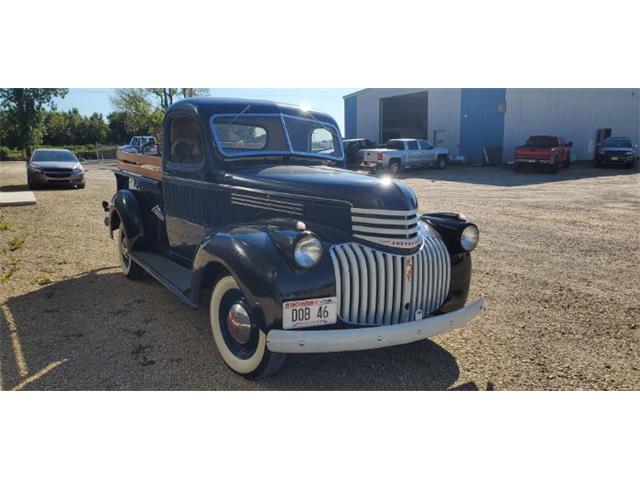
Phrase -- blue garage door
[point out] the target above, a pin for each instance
(482, 121)
(351, 117)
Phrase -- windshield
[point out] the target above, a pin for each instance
(253, 135)
(53, 156)
(616, 142)
(542, 142)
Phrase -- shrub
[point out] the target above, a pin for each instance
(7, 153)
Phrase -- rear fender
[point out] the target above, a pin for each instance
(125, 211)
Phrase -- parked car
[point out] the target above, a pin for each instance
(352, 150)
(147, 145)
(402, 153)
(250, 213)
(615, 151)
(52, 166)
(548, 151)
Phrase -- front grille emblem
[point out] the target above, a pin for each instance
(409, 270)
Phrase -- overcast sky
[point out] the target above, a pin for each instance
(329, 100)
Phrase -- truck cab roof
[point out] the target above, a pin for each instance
(208, 106)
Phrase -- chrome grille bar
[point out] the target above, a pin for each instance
(392, 228)
(379, 288)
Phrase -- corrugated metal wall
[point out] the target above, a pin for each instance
(443, 113)
(351, 117)
(575, 114)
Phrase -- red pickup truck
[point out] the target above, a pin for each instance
(549, 151)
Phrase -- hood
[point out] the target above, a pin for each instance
(616, 149)
(55, 165)
(361, 191)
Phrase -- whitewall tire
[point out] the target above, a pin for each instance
(240, 342)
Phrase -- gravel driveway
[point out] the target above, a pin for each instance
(558, 265)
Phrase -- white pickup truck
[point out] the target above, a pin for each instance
(404, 153)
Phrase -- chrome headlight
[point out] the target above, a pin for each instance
(469, 238)
(308, 251)
(35, 169)
(78, 169)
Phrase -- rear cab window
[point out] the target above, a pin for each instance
(185, 141)
(395, 145)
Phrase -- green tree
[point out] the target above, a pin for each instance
(166, 96)
(25, 108)
(139, 115)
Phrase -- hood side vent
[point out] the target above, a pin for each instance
(264, 202)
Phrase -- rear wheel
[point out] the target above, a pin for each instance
(441, 161)
(239, 340)
(517, 167)
(130, 268)
(394, 166)
(553, 168)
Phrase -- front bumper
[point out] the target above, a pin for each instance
(367, 338)
(534, 161)
(615, 159)
(38, 178)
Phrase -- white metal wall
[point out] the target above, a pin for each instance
(574, 114)
(444, 113)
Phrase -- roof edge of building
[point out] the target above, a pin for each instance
(356, 93)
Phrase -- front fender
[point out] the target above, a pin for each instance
(125, 210)
(261, 271)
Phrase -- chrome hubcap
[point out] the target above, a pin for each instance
(239, 323)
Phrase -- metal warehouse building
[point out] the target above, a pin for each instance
(472, 121)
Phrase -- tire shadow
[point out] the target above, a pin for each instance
(104, 332)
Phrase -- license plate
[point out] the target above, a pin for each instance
(313, 312)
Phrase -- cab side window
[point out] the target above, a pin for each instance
(185, 141)
(413, 145)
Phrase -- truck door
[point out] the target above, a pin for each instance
(188, 203)
(413, 153)
(427, 152)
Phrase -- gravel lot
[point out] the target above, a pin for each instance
(558, 265)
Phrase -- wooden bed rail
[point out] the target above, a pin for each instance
(145, 165)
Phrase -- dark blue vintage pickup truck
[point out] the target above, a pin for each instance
(250, 212)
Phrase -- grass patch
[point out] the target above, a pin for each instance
(15, 243)
(6, 275)
(4, 225)
(41, 279)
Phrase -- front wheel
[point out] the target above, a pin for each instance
(441, 161)
(240, 341)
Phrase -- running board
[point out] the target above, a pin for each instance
(172, 275)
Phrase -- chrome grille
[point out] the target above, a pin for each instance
(57, 172)
(391, 228)
(378, 288)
